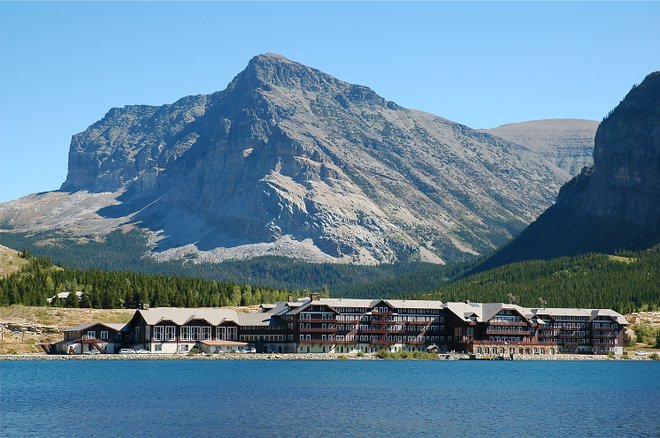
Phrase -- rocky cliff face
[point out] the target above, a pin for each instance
(288, 160)
(616, 203)
(569, 143)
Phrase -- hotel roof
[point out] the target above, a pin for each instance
(180, 315)
(111, 325)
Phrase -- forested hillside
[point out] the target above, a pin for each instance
(123, 252)
(39, 281)
(626, 282)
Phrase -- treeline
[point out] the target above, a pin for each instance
(124, 252)
(626, 283)
(39, 280)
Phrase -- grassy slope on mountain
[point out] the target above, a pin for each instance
(10, 261)
(627, 282)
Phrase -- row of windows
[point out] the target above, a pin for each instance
(519, 350)
(272, 338)
(190, 333)
(505, 339)
(91, 334)
(366, 338)
(366, 319)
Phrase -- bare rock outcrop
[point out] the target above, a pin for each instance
(613, 205)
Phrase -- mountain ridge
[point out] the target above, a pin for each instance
(288, 160)
(614, 204)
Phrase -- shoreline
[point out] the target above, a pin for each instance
(296, 356)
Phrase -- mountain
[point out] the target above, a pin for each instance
(291, 161)
(568, 143)
(613, 205)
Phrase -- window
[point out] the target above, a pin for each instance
(104, 335)
(232, 333)
(91, 334)
(147, 332)
(221, 333)
(158, 347)
(206, 333)
(170, 333)
(185, 333)
(158, 332)
(196, 333)
(137, 334)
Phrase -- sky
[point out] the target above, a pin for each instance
(64, 65)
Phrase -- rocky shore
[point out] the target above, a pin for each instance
(293, 356)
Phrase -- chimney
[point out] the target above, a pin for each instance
(290, 299)
(315, 296)
(144, 306)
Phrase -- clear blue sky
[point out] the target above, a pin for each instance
(63, 65)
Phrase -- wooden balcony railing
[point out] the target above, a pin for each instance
(509, 332)
(508, 323)
(318, 330)
(317, 320)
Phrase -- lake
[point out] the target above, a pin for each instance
(329, 398)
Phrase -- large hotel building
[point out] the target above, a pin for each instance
(341, 325)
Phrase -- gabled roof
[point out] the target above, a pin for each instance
(591, 314)
(111, 325)
(489, 310)
(183, 315)
(414, 304)
(465, 310)
(333, 303)
(258, 319)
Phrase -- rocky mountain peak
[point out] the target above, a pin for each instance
(271, 71)
(289, 160)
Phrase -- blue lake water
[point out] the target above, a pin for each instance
(329, 398)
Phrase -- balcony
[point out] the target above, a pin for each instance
(514, 343)
(349, 321)
(317, 320)
(384, 322)
(509, 332)
(508, 323)
(420, 322)
(604, 342)
(379, 312)
(384, 342)
(318, 330)
(426, 332)
(380, 331)
(318, 341)
(417, 342)
(605, 336)
(572, 336)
